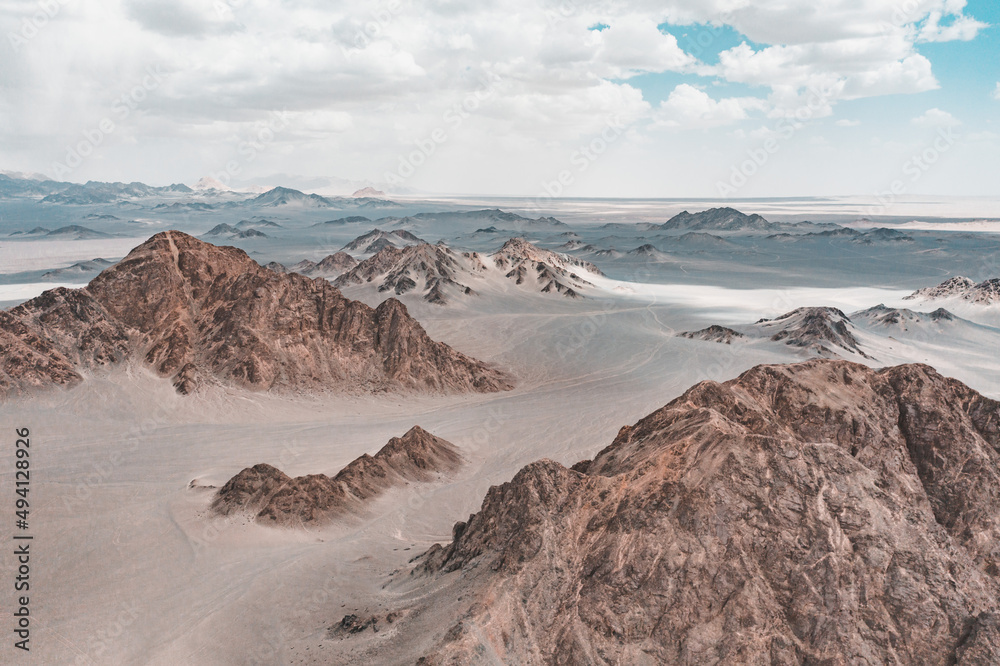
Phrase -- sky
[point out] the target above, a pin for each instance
(537, 98)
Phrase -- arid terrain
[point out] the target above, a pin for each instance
(645, 435)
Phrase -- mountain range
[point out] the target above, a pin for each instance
(199, 314)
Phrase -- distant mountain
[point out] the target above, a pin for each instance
(368, 192)
(878, 236)
(460, 221)
(233, 233)
(717, 219)
(94, 192)
(100, 216)
(376, 239)
(257, 222)
(37, 231)
(647, 251)
(210, 183)
(329, 267)
(374, 204)
(183, 207)
(273, 498)
(222, 230)
(76, 232)
(90, 267)
(199, 314)
(633, 226)
(697, 240)
(284, 196)
(353, 219)
(91, 192)
(986, 292)
(251, 233)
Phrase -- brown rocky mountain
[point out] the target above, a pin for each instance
(814, 513)
(196, 313)
(273, 498)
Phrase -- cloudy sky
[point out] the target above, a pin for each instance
(658, 98)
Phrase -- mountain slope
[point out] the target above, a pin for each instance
(198, 313)
(821, 513)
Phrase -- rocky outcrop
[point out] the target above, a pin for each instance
(821, 513)
(196, 312)
(273, 498)
(714, 333)
(986, 292)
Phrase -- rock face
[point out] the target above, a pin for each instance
(274, 498)
(986, 292)
(196, 312)
(817, 513)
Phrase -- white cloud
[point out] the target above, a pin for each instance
(844, 122)
(936, 118)
(962, 28)
(689, 107)
(363, 80)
